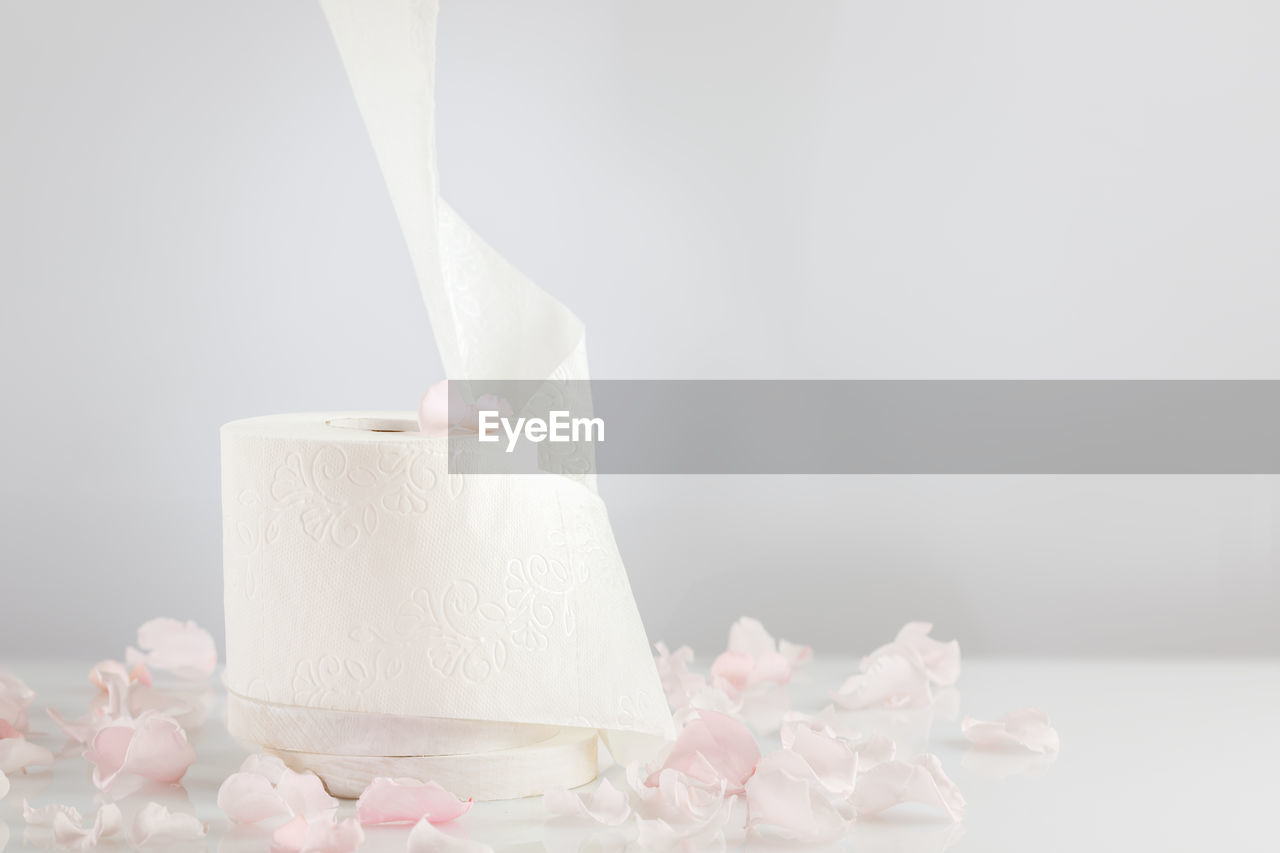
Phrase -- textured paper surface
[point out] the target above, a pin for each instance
(361, 576)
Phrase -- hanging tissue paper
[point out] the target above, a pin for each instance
(386, 617)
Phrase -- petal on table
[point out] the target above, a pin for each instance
(786, 800)
(183, 649)
(713, 747)
(69, 832)
(408, 801)
(1028, 728)
(919, 780)
(250, 798)
(18, 753)
(891, 678)
(304, 795)
(155, 824)
(153, 746)
(322, 835)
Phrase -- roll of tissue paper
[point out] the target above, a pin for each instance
(377, 605)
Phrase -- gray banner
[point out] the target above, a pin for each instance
(874, 427)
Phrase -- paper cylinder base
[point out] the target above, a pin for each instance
(566, 760)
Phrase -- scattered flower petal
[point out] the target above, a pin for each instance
(919, 780)
(18, 753)
(425, 838)
(323, 835)
(304, 795)
(891, 678)
(713, 747)
(828, 721)
(606, 804)
(698, 835)
(155, 824)
(1028, 728)
(250, 798)
(940, 660)
(676, 797)
(15, 698)
(152, 746)
(408, 801)
(265, 764)
(7, 730)
(785, 800)
(833, 760)
(139, 674)
(183, 649)
(69, 832)
(44, 815)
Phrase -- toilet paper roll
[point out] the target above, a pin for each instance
(361, 576)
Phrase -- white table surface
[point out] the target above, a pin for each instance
(1170, 755)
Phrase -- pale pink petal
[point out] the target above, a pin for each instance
(941, 660)
(919, 780)
(712, 747)
(698, 835)
(183, 649)
(153, 746)
(425, 838)
(733, 670)
(891, 679)
(433, 408)
(606, 804)
(304, 794)
(4, 786)
(876, 749)
(19, 753)
(1028, 728)
(323, 835)
(155, 824)
(263, 764)
(7, 730)
(44, 815)
(829, 721)
(748, 636)
(138, 674)
(250, 798)
(677, 797)
(785, 800)
(408, 801)
(833, 760)
(15, 698)
(108, 822)
(795, 654)
(679, 685)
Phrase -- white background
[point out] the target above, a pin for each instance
(193, 229)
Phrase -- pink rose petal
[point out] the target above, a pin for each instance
(69, 833)
(784, 800)
(408, 801)
(833, 760)
(15, 698)
(322, 835)
(44, 815)
(425, 838)
(940, 660)
(891, 678)
(8, 731)
(713, 747)
(1028, 728)
(155, 824)
(919, 780)
(605, 805)
(152, 746)
(304, 795)
(18, 753)
(183, 649)
(250, 798)
(676, 797)
(697, 835)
